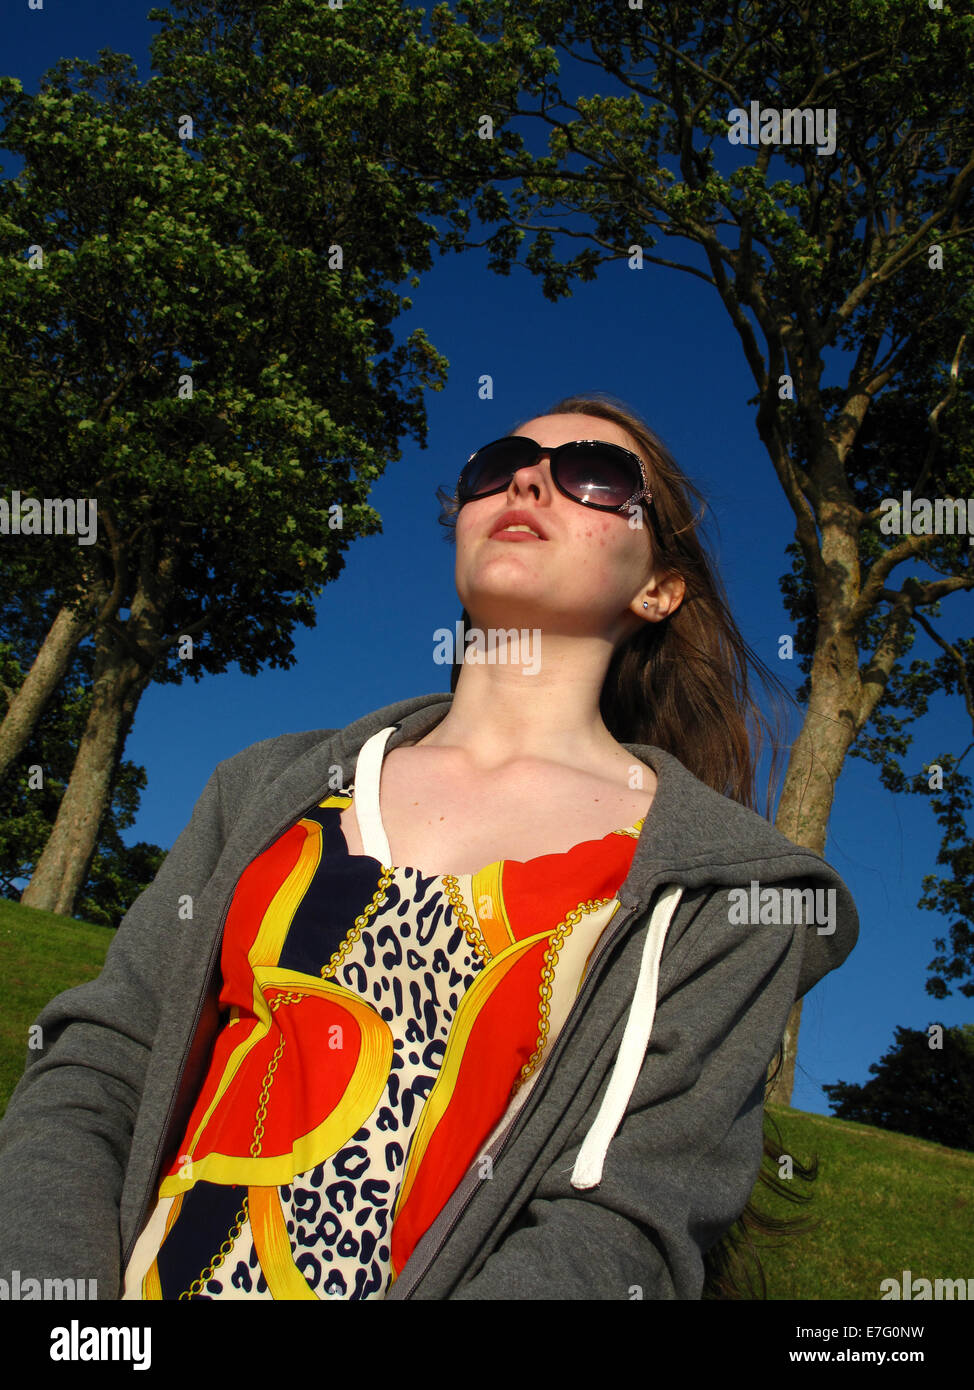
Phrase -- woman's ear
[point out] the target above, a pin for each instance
(660, 597)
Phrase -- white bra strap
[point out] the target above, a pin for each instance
(368, 770)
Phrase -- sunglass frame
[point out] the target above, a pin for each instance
(642, 494)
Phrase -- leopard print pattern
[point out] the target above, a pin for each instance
(337, 1215)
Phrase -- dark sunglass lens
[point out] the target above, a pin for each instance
(491, 467)
(596, 476)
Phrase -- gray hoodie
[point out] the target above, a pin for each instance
(635, 1149)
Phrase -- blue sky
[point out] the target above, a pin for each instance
(661, 341)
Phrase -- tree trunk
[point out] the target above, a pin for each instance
(63, 866)
(817, 756)
(125, 658)
(783, 1085)
(25, 709)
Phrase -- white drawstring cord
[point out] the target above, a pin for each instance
(632, 1050)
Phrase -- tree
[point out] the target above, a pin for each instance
(849, 255)
(29, 802)
(200, 342)
(895, 430)
(923, 1086)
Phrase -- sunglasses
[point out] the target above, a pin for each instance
(588, 471)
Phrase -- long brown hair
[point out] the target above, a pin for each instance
(683, 685)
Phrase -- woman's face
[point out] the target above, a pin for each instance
(590, 573)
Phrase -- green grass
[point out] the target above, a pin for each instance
(41, 955)
(882, 1202)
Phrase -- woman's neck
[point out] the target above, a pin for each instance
(501, 713)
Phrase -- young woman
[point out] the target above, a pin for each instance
(474, 998)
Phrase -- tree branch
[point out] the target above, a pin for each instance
(906, 252)
(957, 657)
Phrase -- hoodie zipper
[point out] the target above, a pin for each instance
(470, 1180)
(214, 953)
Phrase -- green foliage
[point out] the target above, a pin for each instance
(199, 283)
(205, 249)
(118, 874)
(917, 1088)
(952, 896)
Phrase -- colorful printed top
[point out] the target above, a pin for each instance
(382, 1026)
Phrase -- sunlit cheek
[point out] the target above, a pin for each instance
(622, 556)
(597, 529)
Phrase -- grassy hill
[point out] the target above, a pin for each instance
(882, 1202)
(41, 955)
